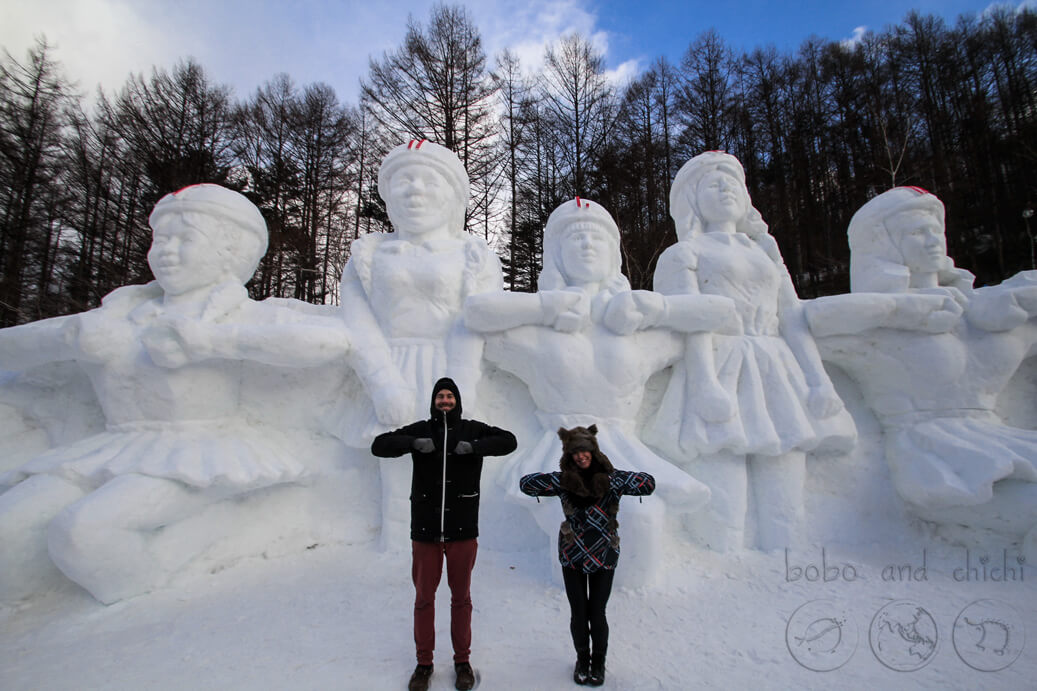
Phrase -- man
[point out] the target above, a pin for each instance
(447, 453)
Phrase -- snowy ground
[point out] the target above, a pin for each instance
(338, 617)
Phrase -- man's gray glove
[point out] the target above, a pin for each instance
(423, 445)
(463, 448)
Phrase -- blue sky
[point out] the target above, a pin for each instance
(245, 42)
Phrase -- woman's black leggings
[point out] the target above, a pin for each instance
(588, 594)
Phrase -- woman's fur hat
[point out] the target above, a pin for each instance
(593, 482)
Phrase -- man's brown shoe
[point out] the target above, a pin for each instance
(419, 680)
(465, 676)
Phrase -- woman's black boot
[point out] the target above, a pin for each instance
(597, 676)
(582, 671)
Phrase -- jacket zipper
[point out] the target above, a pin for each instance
(442, 508)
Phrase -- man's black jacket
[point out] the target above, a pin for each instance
(445, 512)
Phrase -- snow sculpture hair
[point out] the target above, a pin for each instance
(430, 155)
(242, 235)
(570, 216)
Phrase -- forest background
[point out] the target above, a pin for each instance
(820, 130)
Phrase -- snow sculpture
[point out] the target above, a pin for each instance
(931, 354)
(585, 345)
(165, 361)
(402, 294)
(741, 410)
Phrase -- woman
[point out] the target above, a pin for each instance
(743, 409)
(588, 541)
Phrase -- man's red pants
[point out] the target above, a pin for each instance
(426, 571)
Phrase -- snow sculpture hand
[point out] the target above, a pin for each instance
(716, 404)
(635, 310)
(948, 291)
(577, 315)
(930, 313)
(722, 316)
(623, 314)
(423, 445)
(393, 404)
(1026, 298)
(996, 309)
(173, 343)
(553, 303)
(164, 346)
(824, 401)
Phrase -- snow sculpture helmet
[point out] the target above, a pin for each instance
(238, 227)
(440, 159)
(569, 216)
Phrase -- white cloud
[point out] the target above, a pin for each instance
(1024, 5)
(246, 42)
(855, 38)
(528, 28)
(624, 73)
(98, 41)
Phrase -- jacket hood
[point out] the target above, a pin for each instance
(455, 414)
(594, 481)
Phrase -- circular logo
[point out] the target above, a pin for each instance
(903, 636)
(821, 635)
(988, 635)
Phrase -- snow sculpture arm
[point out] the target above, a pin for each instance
(98, 335)
(855, 313)
(676, 278)
(464, 347)
(1003, 307)
(37, 343)
(464, 350)
(792, 323)
(500, 311)
(390, 394)
(307, 342)
(643, 309)
(633, 484)
(541, 484)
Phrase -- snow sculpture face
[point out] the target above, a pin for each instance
(183, 258)
(581, 246)
(919, 235)
(896, 237)
(720, 197)
(419, 199)
(710, 188)
(204, 235)
(425, 188)
(585, 253)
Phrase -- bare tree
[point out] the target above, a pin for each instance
(34, 96)
(579, 104)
